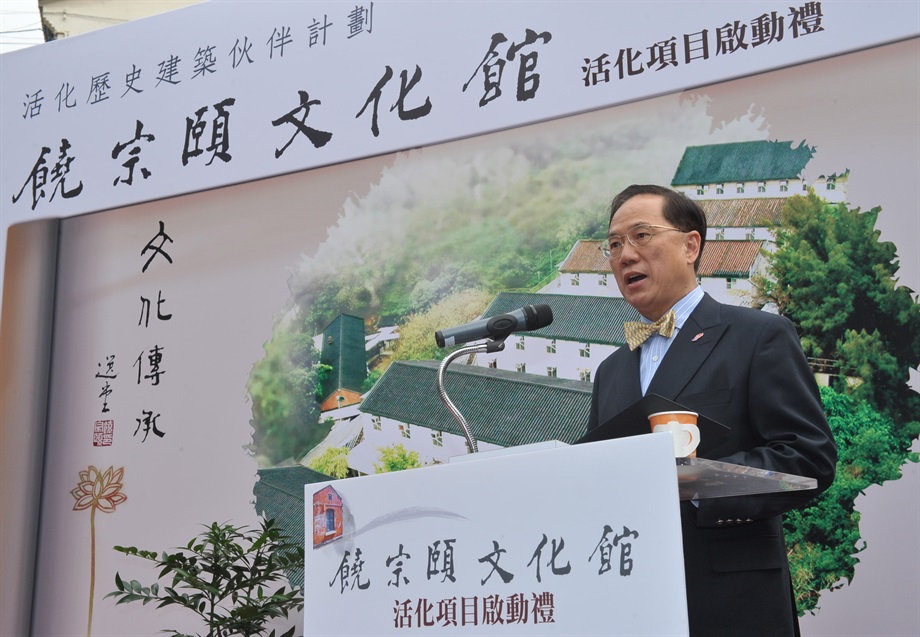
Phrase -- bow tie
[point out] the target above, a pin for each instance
(638, 332)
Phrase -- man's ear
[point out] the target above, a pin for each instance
(692, 245)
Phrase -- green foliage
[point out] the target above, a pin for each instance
(323, 373)
(332, 462)
(824, 538)
(283, 386)
(429, 291)
(416, 335)
(223, 575)
(837, 282)
(436, 224)
(372, 377)
(396, 458)
(485, 220)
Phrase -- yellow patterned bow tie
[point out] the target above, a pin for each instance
(638, 332)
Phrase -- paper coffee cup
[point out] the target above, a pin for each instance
(682, 427)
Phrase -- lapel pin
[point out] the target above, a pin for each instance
(697, 337)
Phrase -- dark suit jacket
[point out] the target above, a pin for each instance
(745, 369)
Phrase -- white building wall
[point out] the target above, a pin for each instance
(717, 233)
(728, 291)
(384, 432)
(571, 359)
(736, 292)
(834, 191)
(583, 284)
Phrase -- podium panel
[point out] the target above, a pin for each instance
(699, 478)
(580, 540)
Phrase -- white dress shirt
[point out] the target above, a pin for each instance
(654, 349)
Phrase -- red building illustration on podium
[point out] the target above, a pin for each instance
(327, 516)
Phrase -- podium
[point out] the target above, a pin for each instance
(572, 540)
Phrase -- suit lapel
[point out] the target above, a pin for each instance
(690, 348)
(630, 389)
(624, 389)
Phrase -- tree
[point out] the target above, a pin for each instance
(416, 335)
(285, 411)
(837, 282)
(372, 377)
(824, 538)
(396, 458)
(322, 373)
(226, 576)
(444, 280)
(470, 218)
(333, 462)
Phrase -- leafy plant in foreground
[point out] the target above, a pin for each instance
(222, 575)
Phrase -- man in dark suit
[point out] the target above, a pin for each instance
(741, 367)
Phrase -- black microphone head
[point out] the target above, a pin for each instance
(538, 316)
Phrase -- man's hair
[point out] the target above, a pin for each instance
(681, 212)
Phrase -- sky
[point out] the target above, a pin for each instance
(20, 25)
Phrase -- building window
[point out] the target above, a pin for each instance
(575, 281)
(437, 438)
(404, 430)
(551, 347)
(701, 190)
(602, 281)
(739, 189)
(831, 183)
(749, 235)
(728, 283)
(521, 367)
(376, 422)
(784, 185)
(330, 521)
(520, 343)
(720, 235)
(551, 372)
(585, 350)
(720, 189)
(761, 187)
(493, 363)
(585, 375)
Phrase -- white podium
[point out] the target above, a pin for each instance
(577, 540)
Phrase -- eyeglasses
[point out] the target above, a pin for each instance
(637, 236)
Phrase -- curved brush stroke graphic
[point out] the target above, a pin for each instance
(404, 515)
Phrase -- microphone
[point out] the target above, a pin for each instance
(526, 319)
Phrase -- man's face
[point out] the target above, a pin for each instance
(653, 277)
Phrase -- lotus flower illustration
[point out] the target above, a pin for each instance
(97, 491)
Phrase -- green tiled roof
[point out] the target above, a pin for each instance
(587, 319)
(741, 161)
(502, 407)
(279, 495)
(343, 350)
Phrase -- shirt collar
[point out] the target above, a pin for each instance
(684, 307)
